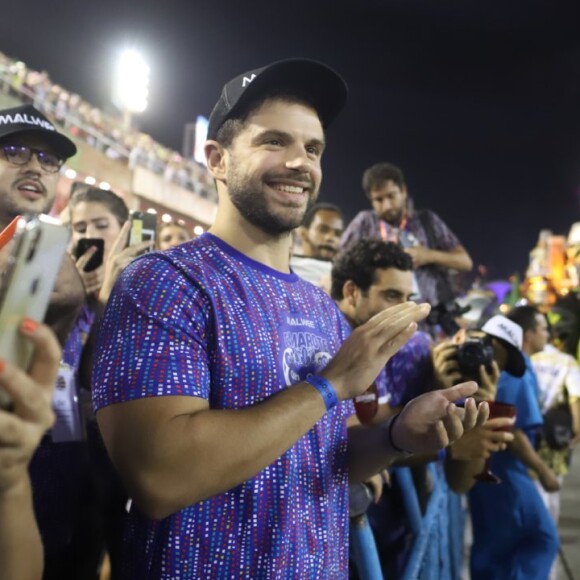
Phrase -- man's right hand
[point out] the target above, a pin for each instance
(370, 346)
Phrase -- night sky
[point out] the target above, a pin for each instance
(478, 102)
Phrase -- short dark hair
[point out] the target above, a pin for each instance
(379, 174)
(108, 198)
(525, 316)
(232, 126)
(322, 206)
(361, 261)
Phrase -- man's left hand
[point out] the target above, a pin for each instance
(432, 420)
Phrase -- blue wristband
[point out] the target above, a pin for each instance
(325, 388)
(442, 454)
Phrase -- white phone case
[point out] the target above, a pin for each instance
(29, 278)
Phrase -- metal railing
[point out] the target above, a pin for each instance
(436, 553)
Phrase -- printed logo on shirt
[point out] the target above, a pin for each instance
(306, 352)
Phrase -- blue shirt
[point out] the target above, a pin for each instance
(523, 393)
(514, 536)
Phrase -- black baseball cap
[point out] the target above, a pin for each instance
(28, 120)
(326, 89)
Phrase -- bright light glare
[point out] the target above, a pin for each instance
(198, 230)
(105, 185)
(166, 218)
(131, 83)
(151, 210)
(70, 173)
(90, 180)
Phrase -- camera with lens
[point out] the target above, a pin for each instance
(473, 353)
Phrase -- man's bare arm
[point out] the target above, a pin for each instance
(523, 450)
(175, 451)
(457, 258)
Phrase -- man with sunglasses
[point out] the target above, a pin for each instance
(31, 153)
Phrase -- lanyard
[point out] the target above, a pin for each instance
(391, 234)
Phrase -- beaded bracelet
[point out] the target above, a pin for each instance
(325, 388)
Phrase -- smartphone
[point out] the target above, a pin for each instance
(97, 258)
(40, 243)
(143, 227)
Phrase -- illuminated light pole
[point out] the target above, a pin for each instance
(131, 85)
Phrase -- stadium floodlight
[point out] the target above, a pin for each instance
(131, 83)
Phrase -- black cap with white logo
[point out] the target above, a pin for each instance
(325, 88)
(28, 120)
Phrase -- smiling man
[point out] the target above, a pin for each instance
(220, 375)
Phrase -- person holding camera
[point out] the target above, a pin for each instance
(475, 361)
(434, 248)
(514, 535)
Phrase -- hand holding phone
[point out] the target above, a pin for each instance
(120, 256)
(39, 246)
(83, 245)
(143, 228)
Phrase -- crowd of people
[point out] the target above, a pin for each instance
(231, 390)
(100, 130)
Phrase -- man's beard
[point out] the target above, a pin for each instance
(252, 203)
(394, 219)
(325, 253)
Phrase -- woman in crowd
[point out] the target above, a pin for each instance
(99, 214)
(172, 234)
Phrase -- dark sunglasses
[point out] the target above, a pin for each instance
(21, 155)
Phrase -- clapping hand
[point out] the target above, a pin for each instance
(433, 421)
